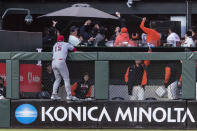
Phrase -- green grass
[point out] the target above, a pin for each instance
(86, 130)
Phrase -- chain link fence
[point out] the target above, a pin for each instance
(37, 79)
(158, 80)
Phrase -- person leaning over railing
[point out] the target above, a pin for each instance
(2, 89)
(153, 37)
(60, 69)
(85, 33)
(73, 37)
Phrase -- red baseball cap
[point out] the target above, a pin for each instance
(60, 38)
(124, 30)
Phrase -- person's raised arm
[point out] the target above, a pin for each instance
(121, 20)
(145, 29)
(71, 48)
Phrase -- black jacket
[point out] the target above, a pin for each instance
(84, 33)
(81, 89)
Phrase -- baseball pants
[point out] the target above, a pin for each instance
(138, 93)
(60, 70)
(172, 91)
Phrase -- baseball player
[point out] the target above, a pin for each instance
(136, 78)
(171, 81)
(60, 52)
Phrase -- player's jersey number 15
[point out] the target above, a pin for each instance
(58, 48)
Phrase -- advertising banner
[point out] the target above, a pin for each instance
(3, 72)
(101, 114)
(30, 77)
(192, 105)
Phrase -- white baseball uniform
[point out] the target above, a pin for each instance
(60, 52)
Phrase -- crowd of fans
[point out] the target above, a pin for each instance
(94, 34)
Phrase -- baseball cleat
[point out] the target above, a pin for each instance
(55, 97)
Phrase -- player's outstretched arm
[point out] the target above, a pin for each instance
(74, 49)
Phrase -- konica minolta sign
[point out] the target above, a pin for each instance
(102, 114)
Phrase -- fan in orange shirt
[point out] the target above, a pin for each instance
(153, 37)
(123, 39)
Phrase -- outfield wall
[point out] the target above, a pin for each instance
(99, 114)
(104, 114)
(5, 113)
(177, 119)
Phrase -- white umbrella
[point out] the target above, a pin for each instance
(79, 10)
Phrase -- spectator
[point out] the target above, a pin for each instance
(50, 36)
(135, 38)
(85, 33)
(83, 88)
(116, 33)
(153, 37)
(2, 89)
(95, 30)
(170, 81)
(173, 39)
(73, 38)
(100, 38)
(47, 79)
(194, 36)
(121, 20)
(136, 78)
(188, 40)
(123, 39)
(143, 37)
